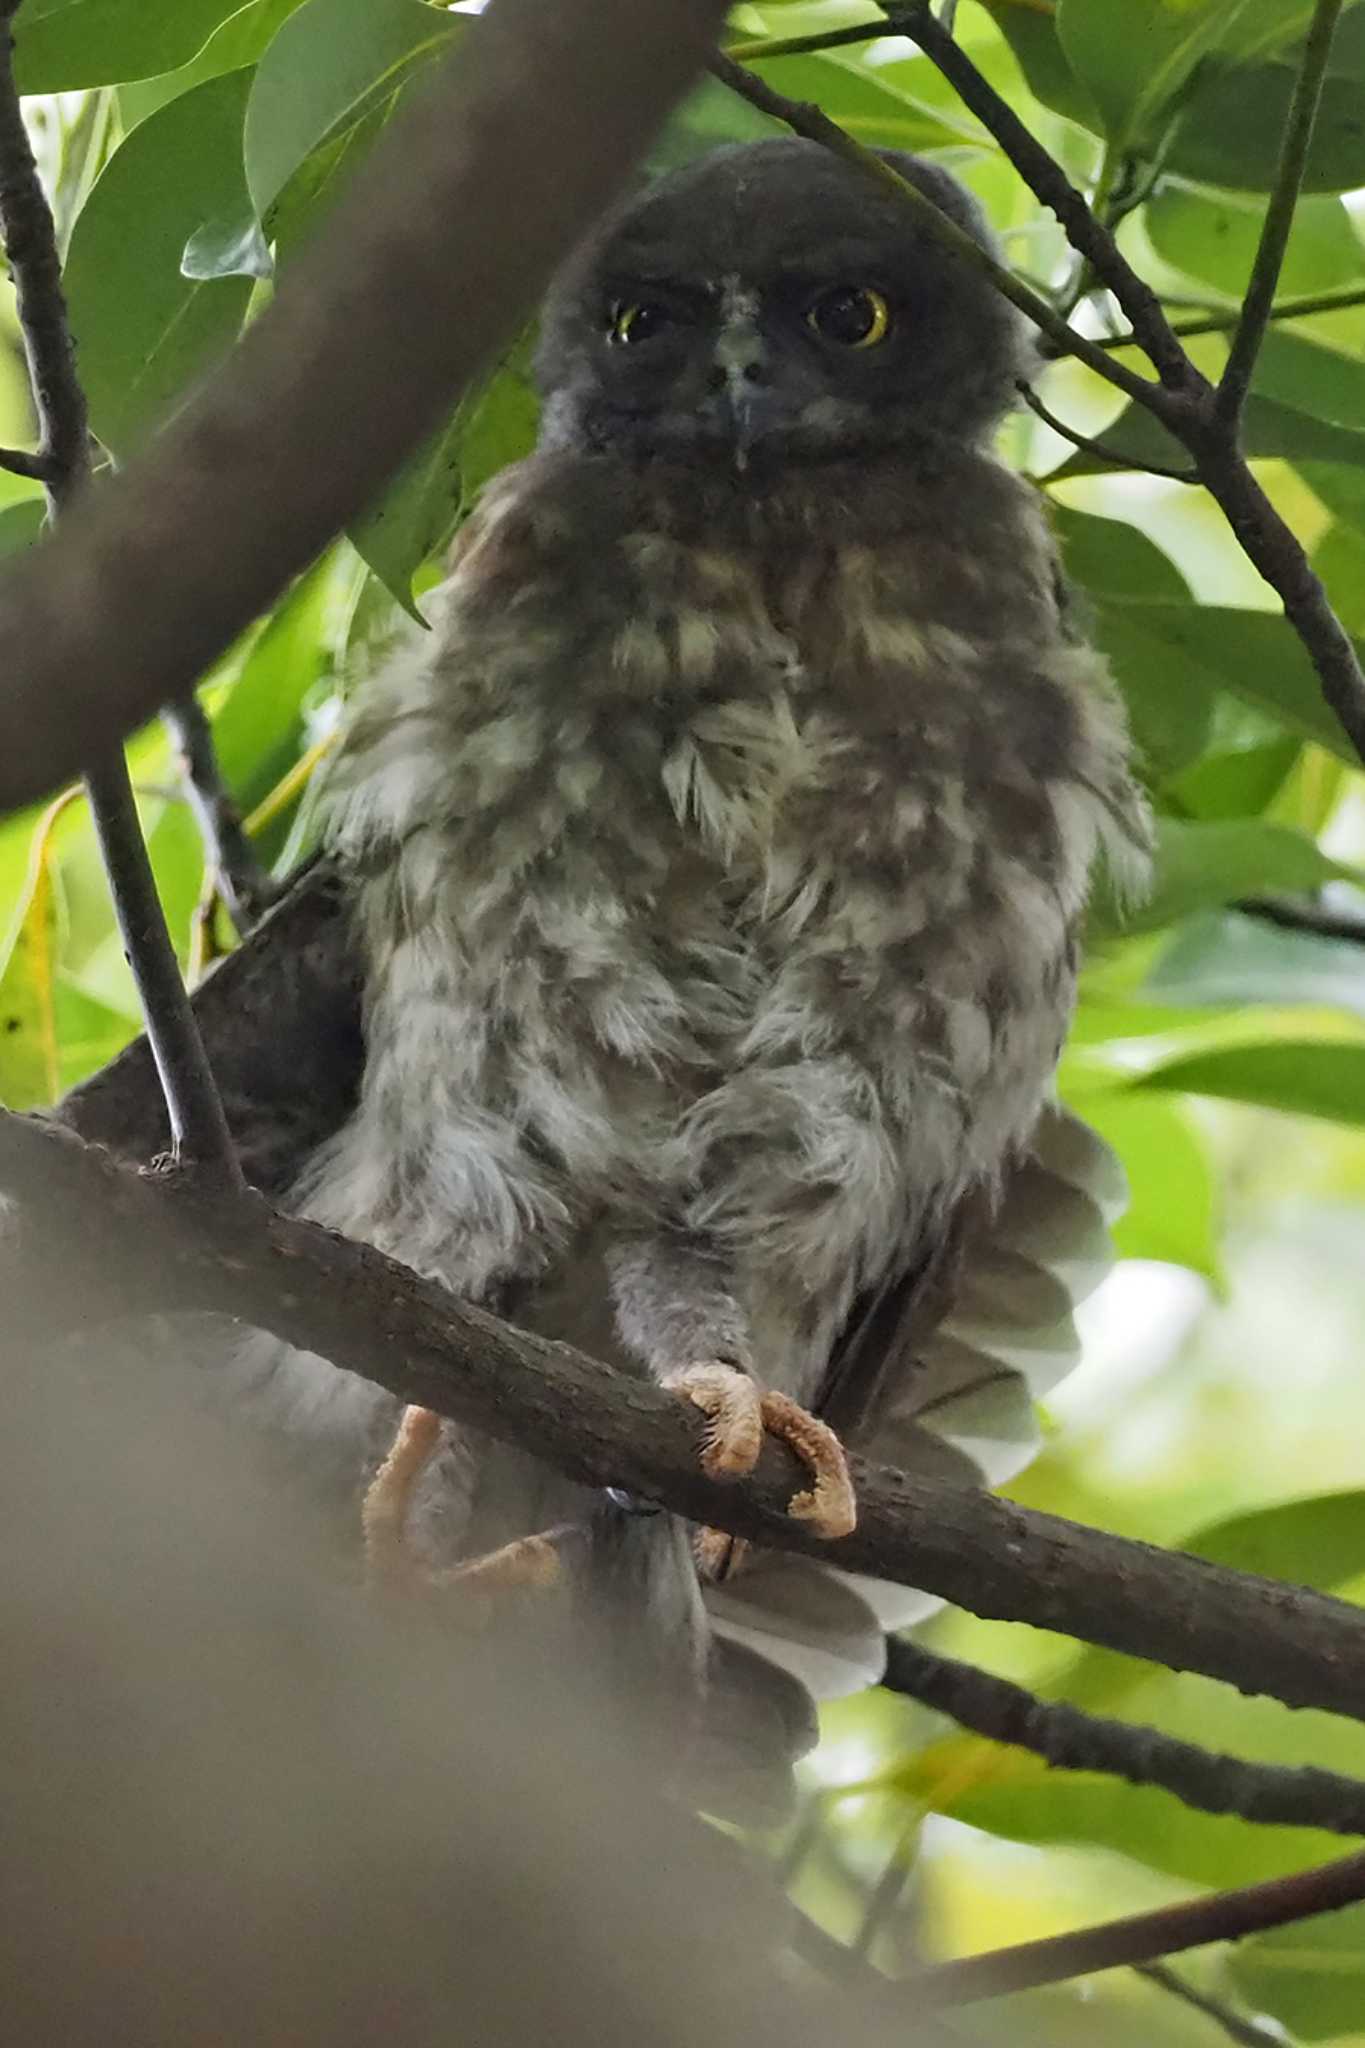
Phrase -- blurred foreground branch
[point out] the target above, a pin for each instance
(153, 1242)
(428, 264)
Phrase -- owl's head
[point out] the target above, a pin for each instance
(768, 302)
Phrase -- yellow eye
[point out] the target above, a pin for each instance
(852, 314)
(635, 323)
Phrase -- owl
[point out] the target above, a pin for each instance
(717, 861)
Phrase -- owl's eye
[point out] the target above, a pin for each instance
(852, 314)
(626, 323)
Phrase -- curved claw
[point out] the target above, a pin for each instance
(738, 1413)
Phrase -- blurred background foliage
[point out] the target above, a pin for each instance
(191, 145)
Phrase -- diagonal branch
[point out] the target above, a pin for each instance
(1224, 1916)
(1090, 446)
(198, 1127)
(1049, 183)
(1072, 1740)
(430, 260)
(153, 1245)
(246, 888)
(1279, 217)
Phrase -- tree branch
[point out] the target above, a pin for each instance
(427, 265)
(1097, 448)
(243, 883)
(1302, 914)
(1142, 1938)
(1240, 367)
(1075, 1741)
(803, 117)
(1217, 320)
(1049, 184)
(198, 1127)
(19, 462)
(152, 1245)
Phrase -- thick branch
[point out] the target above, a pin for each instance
(1225, 1916)
(246, 888)
(425, 267)
(1076, 1741)
(1279, 217)
(804, 118)
(148, 1243)
(197, 1125)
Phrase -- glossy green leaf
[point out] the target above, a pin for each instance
(870, 106)
(1339, 559)
(1110, 558)
(1188, 653)
(61, 44)
(145, 331)
(258, 725)
(336, 67)
(1236, 782)
(1135, 58)
(1047, 71)
(1307, 1078)
(241, 40)
(1229, 128)
(1236, 960)
(1200, 865)
(1212, 237)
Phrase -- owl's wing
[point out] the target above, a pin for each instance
(938, 1375)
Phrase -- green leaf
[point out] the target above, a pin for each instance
(1109, 557)
(1047, 72)
(1320, 1078)
(1212, 236)
(241, 40)
(336, 67)
(868, 103)
(1310, 1976)
(21, 524)
(61, 44)
(1200, 865)
(1236, 781)
(1234, 960)
(258, 725)
(144, 329)
(1172, 1211)
(1339, 558)
(1135, 56)
(1230, 124)
(1189, 653)
(421, 507)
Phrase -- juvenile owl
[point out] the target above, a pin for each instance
(720, 857)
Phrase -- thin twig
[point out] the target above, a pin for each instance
(19, 462)
(1075, 1741)
(760, 48)
(150, 1246)
(1247, 2033)
(1279, 216)
(1113, 456)
(803, 117)
(1049, 184)
(198, 1128)
(246, 888)
(1141, 1938)
(1222, 321)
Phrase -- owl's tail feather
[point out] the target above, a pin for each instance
(962, 1405)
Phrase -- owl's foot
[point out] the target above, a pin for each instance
(738, 1414)
(532, 1563)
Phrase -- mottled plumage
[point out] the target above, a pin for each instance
(719, 860)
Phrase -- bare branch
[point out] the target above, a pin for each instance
(1097, 448)
(1279, 217)
(427, 265)
(1075, 1741)
(1142, 1938)
(1221, 320)
(805, 118)
(20, 463)
(1304, 914)
(197, 1125)
(154, 1244)
(246, 888)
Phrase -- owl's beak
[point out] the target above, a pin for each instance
(754, 411)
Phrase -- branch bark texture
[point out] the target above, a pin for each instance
(155, 1243)
(426, 267)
